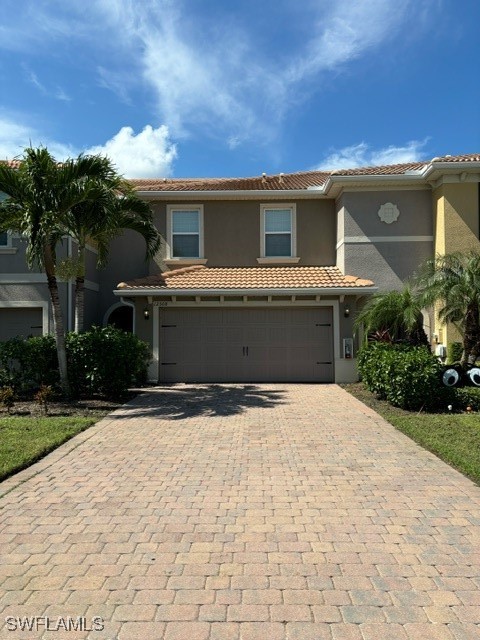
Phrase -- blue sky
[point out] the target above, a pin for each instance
(236, 88)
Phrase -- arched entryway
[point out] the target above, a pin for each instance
(121, 316)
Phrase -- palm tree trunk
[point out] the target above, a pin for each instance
(471, 336)
(58, 324)
(80, 291)
(79, 303)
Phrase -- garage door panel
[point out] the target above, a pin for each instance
(256, 334)
(234, 334)
(257, 345)
(20, 321)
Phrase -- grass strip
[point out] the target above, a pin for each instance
(24, 440)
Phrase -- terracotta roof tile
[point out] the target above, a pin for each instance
(382, 170)
(467, 157)
(281, 182)
(288, 181)
(11, 163)
(293, 277)
(278, 182)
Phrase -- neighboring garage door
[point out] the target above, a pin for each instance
(237, 345)
(20, 322)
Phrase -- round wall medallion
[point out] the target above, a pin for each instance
(388, 213)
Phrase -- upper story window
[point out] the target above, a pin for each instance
(185, 231)
(278, 231)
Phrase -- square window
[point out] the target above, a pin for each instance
(3, 239)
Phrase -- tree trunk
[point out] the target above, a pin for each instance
(471, 336)
(80, 292)
(58, 324)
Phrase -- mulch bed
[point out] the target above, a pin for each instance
(84, 407)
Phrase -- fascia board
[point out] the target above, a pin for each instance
(323, 291)
(436, 169)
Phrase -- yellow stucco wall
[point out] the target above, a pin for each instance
(456, 209)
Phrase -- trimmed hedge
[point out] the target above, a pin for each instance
(407, 377)
(105, 361)
(467, 397)
(454, 352)
(27, 364)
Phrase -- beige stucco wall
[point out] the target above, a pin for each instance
(456, 217)
(232, 232)
(456, 224)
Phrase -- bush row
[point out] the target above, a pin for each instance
(467, 397)
(407, 377)
(103, 361)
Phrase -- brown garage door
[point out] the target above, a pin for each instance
(237, 345)
(20, 321)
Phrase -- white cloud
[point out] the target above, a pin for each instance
(223, 81)
(15, 137)
(362, 155)
(150, 153)
(58, 93)
(349, 29)
(212, 73)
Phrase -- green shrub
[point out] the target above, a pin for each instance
(105, 361)
(26, 364)
(454, 352)
(407, 377)
(467, 397)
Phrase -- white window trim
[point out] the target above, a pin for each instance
(293, 252)
(201, 249)
(8, 248)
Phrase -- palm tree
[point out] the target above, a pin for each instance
(40, 191)
(452, 281)
(395, 314)
(112, 208)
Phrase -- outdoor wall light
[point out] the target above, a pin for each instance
(146, 313)
(346, 312)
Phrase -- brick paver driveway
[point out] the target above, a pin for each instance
(242, 511)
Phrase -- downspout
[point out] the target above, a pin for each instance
(69, 289)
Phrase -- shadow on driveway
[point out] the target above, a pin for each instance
(184, 401)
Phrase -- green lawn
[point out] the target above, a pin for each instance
(24, 440)
(455, 438)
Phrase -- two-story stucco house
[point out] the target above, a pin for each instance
(259, 279)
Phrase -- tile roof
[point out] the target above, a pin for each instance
(466, 157)
(288, 181)
(382, 170)
(199, 277)
(11, 163)
(282, 182)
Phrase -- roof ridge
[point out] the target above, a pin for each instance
(177, 272)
